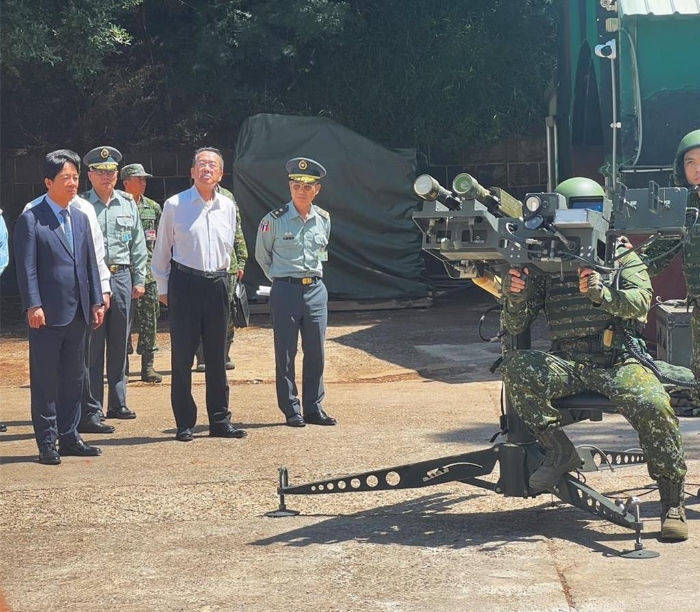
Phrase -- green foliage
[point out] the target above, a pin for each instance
(408, 73)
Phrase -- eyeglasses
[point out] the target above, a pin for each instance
(104, 172)
(304, 186)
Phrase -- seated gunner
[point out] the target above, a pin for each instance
(586, 316)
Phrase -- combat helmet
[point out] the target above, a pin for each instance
(585, 192)
(690, 141)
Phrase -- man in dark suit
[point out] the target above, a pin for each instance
(59, 284)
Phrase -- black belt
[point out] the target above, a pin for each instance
(118, 267)
(202, 273)
(306, 280)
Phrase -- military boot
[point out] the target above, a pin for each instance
(229, 362)
(148, 374)
(561, 457)
(673, 524)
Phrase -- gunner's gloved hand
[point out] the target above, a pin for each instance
(515, 285)
(592, 284)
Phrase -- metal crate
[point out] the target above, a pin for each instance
(673, 343)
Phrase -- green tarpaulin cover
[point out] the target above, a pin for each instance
(375, 247)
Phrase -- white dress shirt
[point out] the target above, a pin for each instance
(85, 207)
(194, 233)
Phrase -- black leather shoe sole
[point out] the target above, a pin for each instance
(296, 421)
(184, 436)
(121, 414)
(318, 419)
(231, 432)
(49, 458)
(79, 451)
(94, 428)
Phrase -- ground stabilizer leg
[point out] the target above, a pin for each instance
(516, 463)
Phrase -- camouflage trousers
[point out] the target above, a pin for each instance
(145, 321)
(533, 378)
(695, 347)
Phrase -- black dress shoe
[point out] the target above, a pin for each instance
(296, 420)
(226, 431)
(121, 413)
(78, 449)
(48, 455)
(184, 435)
(319, 418)
(3, 427)
(94, 425)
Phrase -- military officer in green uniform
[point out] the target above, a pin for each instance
(686, 173)
(586, 316)
(239, 257)
(145, 310)
(125, 256)
(291, 246)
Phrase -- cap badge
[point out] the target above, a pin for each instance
(303, 165)
(104, 153)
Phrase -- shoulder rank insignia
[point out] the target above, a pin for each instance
(324, 213)
(278, 212)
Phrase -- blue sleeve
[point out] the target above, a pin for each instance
(4, 246)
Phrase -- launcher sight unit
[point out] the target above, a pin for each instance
(470, 227)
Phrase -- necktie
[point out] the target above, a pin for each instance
(67, 228)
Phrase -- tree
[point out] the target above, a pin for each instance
(407, 73)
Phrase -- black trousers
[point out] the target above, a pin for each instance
(56, 372)
(197, 307)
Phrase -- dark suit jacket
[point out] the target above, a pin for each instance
(48, 274)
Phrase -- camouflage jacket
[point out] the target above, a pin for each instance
(239, 256)
(576, 325)
(149, 212)
(661, 253)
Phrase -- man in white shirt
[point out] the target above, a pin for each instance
(190, 263)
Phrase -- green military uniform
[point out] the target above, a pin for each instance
(579, 361)
(588, 354)
(147, 306)
(239, 257)
(662, 252)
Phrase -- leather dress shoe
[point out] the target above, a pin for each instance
(48, 455)
(319, 418)
(3, 427)
(226, 431)
(184, 435)
(78, 449)
(230, 365)
(121, 413)
(201, 367)
(94, 425)
(296, 420)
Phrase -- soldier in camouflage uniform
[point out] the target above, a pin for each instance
(239, 256)
(686, 173)
(585, 316)
(146, 309)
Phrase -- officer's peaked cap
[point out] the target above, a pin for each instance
(305, 170)
(102, 158)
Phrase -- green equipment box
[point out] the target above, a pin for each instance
(673, 343)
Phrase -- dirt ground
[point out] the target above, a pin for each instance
(157, 525)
